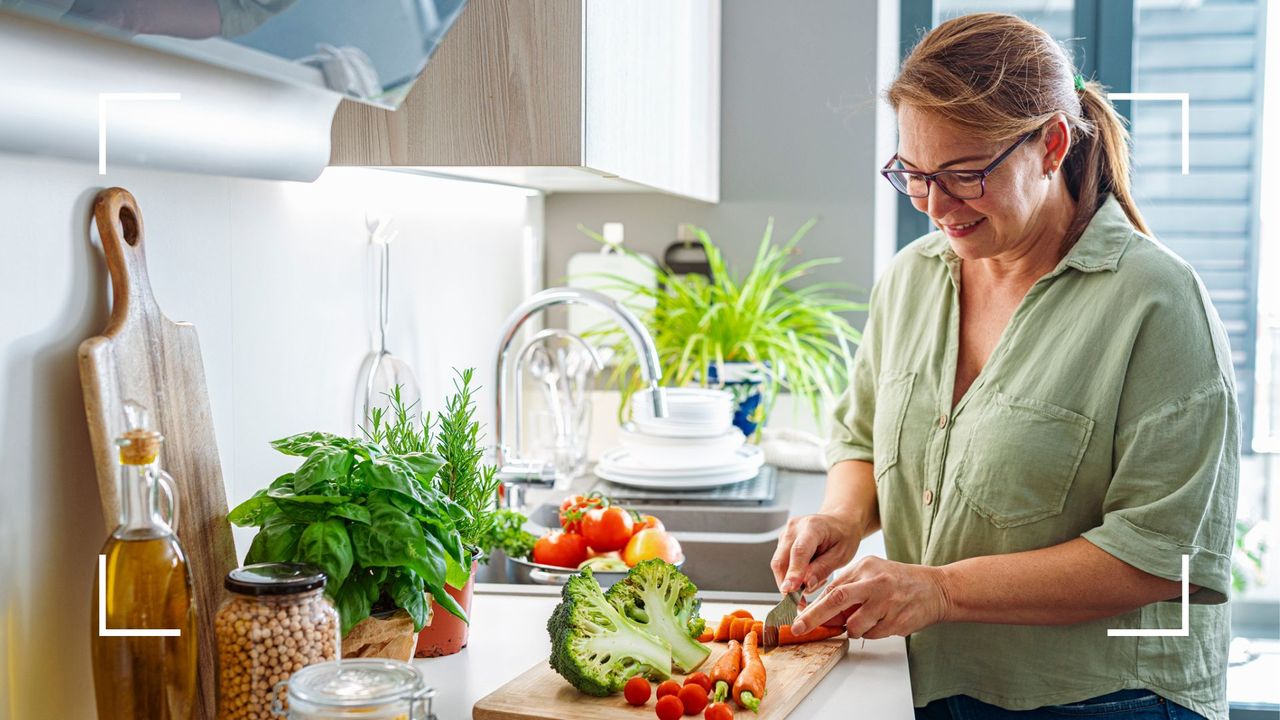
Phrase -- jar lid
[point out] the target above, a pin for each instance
(357, 683)
(274, 579)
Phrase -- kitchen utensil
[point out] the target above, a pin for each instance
(662, 452)
(146, 357)
(687, 256)
(597, 270)
(541, 694)
(784, 613)
(565, 364)
(382, 371)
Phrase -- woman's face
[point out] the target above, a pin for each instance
(1008, 219)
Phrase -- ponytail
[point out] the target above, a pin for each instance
(1098, 162)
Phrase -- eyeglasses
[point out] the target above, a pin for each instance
(959, 184)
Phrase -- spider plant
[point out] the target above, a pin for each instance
(796, 337)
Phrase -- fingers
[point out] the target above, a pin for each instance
(830, 604)
(802, 551)
(782, 553)
(823, 566)
(862, 623)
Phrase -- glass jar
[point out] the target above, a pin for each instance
(275, 622)
(369, 689)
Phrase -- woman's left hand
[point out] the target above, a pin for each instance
(876, 598)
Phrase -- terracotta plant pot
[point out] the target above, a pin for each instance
(447, 633)
(384, 635)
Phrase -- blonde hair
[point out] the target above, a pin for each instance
(1001, 77)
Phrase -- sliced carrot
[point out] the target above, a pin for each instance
(707, 636)
(741, 627)
(722, 631)
(758, 628)
(742, 614)
(822, 632)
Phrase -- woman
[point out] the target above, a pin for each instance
(1042, 417)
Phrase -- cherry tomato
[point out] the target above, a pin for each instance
(637, 691)
(699, 678)
(718, 711)
(668, 687)
(607, 528)
(651, 543)
(669, 707)
(694, 699)
(575, 507)
(647, 522)
(561, 549)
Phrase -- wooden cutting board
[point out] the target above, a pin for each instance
(540, 694)
(145, 357)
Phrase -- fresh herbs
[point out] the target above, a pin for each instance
(370, 517)
(507, 534)
(797, 338)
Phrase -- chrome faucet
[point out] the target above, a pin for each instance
(646, 352)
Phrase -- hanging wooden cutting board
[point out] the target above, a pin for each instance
(541, 694)
(145, 357)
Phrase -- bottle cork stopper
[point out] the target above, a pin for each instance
(139, 447)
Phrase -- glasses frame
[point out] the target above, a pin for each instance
(930, 178)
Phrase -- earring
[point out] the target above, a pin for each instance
(1048, 175)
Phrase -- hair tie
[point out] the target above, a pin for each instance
(1080, 83)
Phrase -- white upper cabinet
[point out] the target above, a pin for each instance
(562, 95)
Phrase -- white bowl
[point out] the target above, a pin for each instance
(690, 405)
(685, 452)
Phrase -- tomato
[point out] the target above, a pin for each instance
(652, 543)
(561, 549)
(668, 687)
(636, 691)
(645, 522)
(669, 708)
(718, 711)
(607, 528)
(694, 699)
(575, 506)
(699, 678)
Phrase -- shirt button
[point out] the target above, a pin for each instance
(928, 497)
(942, 421)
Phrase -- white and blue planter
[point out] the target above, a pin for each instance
(747, 383)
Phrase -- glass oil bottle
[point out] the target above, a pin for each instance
(144, 675)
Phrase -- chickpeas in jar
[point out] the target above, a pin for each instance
(275, 622)
(367, 689)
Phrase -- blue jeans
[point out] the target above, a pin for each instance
(1122, 705)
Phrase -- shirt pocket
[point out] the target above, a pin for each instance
(892, 395)
(1021, 459)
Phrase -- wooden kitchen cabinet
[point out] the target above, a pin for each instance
(561, 95)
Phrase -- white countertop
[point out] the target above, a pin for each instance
(509, 636)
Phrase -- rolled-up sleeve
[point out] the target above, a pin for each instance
(1173, 492)
(851, 424)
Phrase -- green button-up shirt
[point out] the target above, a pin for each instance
(1106, 411)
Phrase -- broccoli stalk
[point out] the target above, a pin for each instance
(595, 647)
(663, 601)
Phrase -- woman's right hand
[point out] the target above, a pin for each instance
(811, 548)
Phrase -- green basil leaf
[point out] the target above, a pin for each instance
(282, 484)
(254, 511)
(408, 592)
(326, 545)
(380, 475)
(275, 542)
(354, 600)
(309, 508)
(394, 539)
(304, 444)
(351, 511)
(446, 601)
(325, 465)
(455, 574)
(426, 465)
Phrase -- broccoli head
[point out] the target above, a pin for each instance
(597, 648)
(664, 601)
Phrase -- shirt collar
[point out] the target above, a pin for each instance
(1100, 247)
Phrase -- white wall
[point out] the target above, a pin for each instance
(277, 279)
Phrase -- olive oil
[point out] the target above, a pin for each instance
(147, 587)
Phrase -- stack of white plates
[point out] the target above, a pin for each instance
(695, 447)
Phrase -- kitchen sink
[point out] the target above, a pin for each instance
(727, 546)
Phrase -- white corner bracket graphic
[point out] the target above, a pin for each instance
(1185, 99)
(104, 632)
(103, 99)
(1183, 631)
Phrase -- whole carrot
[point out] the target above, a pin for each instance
(726, 671)
(822, 632)
(748, 689)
